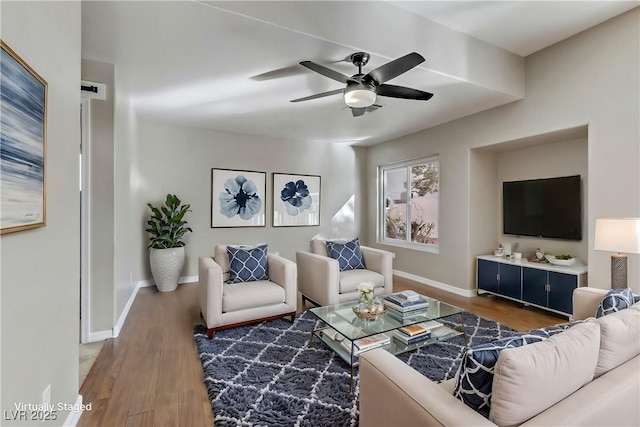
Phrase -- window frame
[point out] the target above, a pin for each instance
(381, 205)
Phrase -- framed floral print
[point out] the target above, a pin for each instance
(237, 198)
(23, 131)
(296, 200)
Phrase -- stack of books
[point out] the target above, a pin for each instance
(412, 334)
(405, 303)
(367, 343)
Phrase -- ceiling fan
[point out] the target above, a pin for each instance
(362, 89)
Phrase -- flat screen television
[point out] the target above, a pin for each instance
(550, 208)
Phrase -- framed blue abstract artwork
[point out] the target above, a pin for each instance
(23, 130)
(237, 198)
(296, 200)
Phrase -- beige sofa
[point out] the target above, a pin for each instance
(532, 384)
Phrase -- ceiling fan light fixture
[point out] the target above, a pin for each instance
(359, 98)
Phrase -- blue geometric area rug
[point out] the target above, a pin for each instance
(265, 375)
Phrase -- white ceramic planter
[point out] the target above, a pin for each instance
(166, 266)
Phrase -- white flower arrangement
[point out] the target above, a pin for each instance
(366, 288)
(369, 307)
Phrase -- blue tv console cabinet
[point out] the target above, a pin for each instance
(546, 286)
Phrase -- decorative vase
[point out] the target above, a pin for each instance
(369, 307)
(366, 299)
(166, 266)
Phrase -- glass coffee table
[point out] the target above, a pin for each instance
(342, 324)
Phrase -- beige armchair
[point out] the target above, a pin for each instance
(226, 305)
(321, 282)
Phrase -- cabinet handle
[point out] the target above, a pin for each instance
(498, 276)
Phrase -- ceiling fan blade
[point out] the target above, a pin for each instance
(394, 68)
(357, 112)
(279, 73)
(327, 72)
(318, 95)
(403, 92)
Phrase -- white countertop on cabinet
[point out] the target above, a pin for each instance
(576, 269)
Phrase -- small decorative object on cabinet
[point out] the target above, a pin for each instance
(167, 228)
(545, 286)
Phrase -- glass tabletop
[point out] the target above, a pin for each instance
(342, 318)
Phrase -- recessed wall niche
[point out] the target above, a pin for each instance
(553, 154)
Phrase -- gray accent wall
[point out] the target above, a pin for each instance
(40, 267)
(173, 159)
(563, 158)
(589, 79)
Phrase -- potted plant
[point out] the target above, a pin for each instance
(167, 228)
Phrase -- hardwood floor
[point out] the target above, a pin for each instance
(151, 375)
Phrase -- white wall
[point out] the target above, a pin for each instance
(125, 198)
(40, 267)
(101, 210)
(178, 160)
(591, 78)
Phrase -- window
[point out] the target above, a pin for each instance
(408, 203)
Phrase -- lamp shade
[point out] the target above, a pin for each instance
(618, 235)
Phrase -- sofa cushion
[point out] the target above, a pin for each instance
(242, 296)
(619, 338)
(530, 379)
(614, 301)
(475, 375)
(350, 279)
(348, 255)
(247, 265)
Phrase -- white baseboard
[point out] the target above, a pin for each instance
(145, 284)
(188, 279)
(123, 316)
(182, 279)
(100, 335)
(142, 284)
(443, 286)
(75, 414)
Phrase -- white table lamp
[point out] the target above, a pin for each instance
(618, 235)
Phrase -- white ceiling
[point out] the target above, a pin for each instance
(233, 65)
(521, 27)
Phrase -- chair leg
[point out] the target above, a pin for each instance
(210, 333)
(305, 300)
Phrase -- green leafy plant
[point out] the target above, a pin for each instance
(167, 225)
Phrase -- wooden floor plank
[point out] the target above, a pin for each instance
(143, 419)
(151, 374)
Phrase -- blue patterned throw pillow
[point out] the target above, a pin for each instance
(247, 265)
(615, 300)
(475, 375)
(348, 255)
